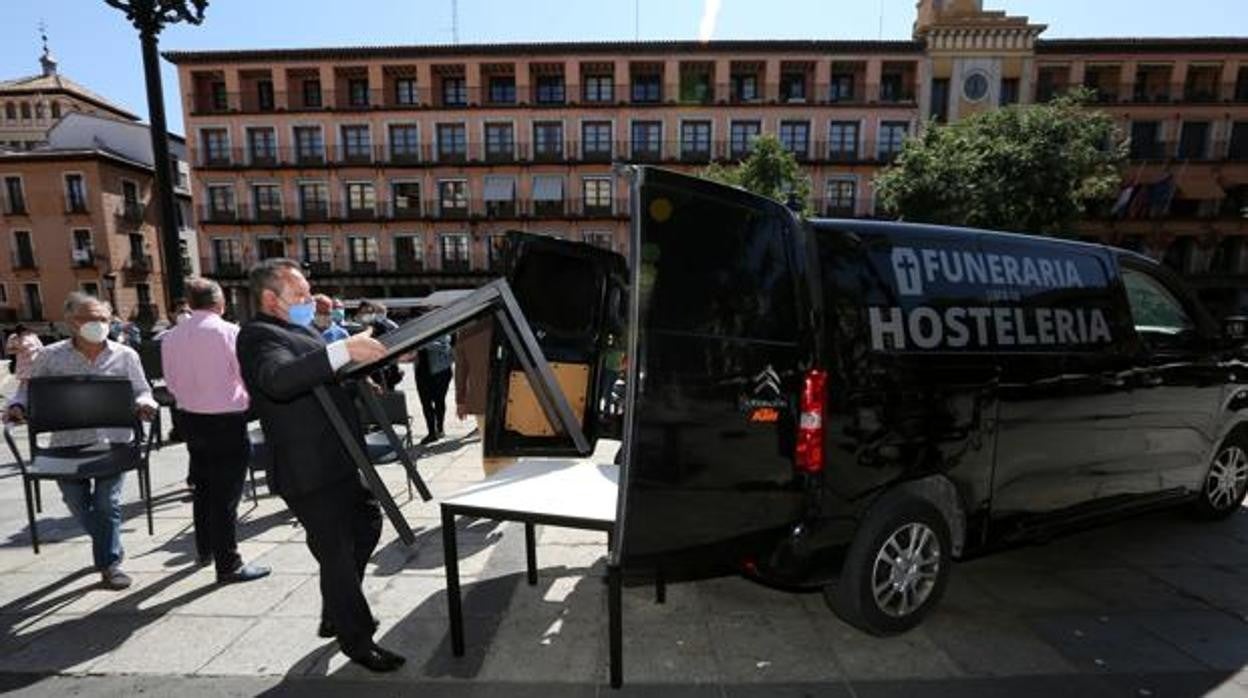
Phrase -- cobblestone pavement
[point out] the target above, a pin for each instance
(1151, 607)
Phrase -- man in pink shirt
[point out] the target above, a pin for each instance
(201, 370)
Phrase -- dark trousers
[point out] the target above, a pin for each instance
(343, 525)
(219, 452)
(432, 391)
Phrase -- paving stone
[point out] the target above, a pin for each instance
(174, 645)
(272, 646)
(1109, 643)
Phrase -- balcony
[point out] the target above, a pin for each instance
(132, 212)
(359, 266)
(15, 207)
(211, 214)
(76, 207)
(138, 264)
(24, 261)
(1150, 150)
(83, 259)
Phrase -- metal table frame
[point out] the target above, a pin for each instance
(530, 519)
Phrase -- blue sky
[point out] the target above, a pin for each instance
(96, 46)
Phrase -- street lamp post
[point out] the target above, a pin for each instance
(150, 17)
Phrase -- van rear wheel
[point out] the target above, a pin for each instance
(896, 569)
(1226, 483)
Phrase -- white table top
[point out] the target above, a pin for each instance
(582, 488)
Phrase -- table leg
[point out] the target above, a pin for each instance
(530, 551)
(660, 585)
(450, 556)
(614, 630)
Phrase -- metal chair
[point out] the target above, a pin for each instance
(376, 445)
(154, 369)
(261, 458)
(66, 403)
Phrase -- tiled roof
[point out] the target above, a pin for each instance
(545, 48)
(59, 83)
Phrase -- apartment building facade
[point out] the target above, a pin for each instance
(79, 214)
(396, 170)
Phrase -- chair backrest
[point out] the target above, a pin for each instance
(64, 403)
(149, 356)
(393, 403)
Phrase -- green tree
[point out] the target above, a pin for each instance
(769, 170)
(1032, 168)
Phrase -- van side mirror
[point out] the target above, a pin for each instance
(1235, 327)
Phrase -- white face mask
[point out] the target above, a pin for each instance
(94, 332)
(366, 318)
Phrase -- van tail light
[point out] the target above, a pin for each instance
(810, 422)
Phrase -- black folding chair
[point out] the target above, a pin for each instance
(65, 403)
(261, 458)
(376, 445)
(154, 369)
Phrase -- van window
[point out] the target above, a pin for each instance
(718, 267)
(569, 313)
(1156, 312)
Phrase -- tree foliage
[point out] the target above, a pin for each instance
(769, 170)
(1032, 168)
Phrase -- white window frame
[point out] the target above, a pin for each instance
(86, 196)
(827, 191)
(632, 143)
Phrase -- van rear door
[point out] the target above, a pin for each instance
(723, 342)
(573, 297)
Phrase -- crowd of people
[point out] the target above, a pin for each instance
(222, 377)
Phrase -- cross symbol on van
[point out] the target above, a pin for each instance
(906, 271)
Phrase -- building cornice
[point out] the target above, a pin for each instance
(542, 49)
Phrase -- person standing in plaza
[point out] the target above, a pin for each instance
(283, 360)
(433, 377)
(201, 370)
(324, 320)
(95, 504)
(22, 346)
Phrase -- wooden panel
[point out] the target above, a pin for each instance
(524, 413)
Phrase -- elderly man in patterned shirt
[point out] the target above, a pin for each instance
(96, 504)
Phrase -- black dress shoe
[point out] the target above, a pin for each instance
(327, 629)
(243, 573)
(377, 659)
(429, 438)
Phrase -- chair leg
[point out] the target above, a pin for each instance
(38, 496)
(29, 486)
(251, 472)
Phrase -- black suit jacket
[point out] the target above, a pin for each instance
(281, 363)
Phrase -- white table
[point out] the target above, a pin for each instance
(569, 492)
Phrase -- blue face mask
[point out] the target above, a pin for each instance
(337, 315)
(301, 314)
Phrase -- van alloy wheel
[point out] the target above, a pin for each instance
(906, 569)
(1228, 478)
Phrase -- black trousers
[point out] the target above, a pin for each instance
(432, 391)
(343, 525)
(219, 452)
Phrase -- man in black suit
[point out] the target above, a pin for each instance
(282, 360)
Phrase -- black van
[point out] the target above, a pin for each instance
(853, 404)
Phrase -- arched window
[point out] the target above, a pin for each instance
(39, 110)
(25, 110)
(56, 110)
(10, 111)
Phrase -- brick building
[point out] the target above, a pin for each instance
(394, 170)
